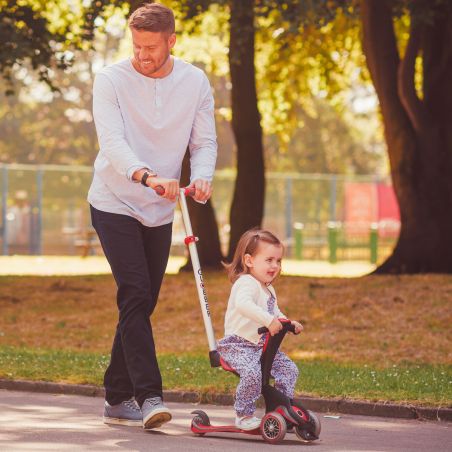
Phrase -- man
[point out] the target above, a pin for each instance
(147, 110)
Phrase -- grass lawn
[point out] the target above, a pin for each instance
(374, 338)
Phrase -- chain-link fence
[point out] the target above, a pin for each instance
(44, 211)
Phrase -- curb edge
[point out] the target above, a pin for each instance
(324, 405)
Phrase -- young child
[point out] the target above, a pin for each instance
(252, 304)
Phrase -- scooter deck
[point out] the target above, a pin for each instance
(203, 429)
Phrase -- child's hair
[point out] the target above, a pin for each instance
(248, 244)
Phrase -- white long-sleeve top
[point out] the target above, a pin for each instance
(247, 308)
(145, 122)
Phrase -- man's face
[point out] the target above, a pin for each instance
(151, 50)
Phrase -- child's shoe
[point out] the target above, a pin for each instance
(247, 422)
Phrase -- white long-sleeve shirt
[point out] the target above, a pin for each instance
(145, 122)
(247, 308)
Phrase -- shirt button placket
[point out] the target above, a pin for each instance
(158, 99)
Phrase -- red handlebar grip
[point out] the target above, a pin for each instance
(189, 191)
(159, 190)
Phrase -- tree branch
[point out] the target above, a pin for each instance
(405, 80)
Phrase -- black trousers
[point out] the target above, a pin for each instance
(138, 256)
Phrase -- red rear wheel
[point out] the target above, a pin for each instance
(200, 419)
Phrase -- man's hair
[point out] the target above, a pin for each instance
(153, 17)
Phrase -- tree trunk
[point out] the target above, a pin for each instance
(135, 4)
(204, 226)
(417, 132)
(248, 201)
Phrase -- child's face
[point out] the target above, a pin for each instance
(265, 264)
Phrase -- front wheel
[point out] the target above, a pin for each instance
(273, 428)
(310, 431)
(316, 423)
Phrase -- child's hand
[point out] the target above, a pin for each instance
(298, 326)
(275, 327)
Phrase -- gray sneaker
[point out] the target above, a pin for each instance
(155, 414)
(124, 413)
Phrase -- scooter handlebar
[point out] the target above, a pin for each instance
(188, 191)
(287, 326)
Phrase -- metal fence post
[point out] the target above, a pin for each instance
(298, 227)
(5, 249)
(288, 189)
(332, 241)
(37, 236)
(373, 242)
(333, 197)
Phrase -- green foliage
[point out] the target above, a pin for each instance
(43, 35)
(311, 12)
(324, 140)
(26, 37)
(41, 126)
(310, 66)
(306, 78)
(307, 69)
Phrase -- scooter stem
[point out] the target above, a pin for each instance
(190, 241)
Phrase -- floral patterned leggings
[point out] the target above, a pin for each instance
(244, 357)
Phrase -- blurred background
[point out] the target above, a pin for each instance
(328, 193)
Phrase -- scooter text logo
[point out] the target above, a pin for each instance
(204, 292)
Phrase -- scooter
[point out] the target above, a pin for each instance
(282, 413)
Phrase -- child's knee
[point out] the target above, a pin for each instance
(289, 372)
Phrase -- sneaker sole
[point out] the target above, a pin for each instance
(156, 419)
(117, 421)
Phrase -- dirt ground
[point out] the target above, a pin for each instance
(373, 319)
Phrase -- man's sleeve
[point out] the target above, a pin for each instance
(203, 138)
(110, 128)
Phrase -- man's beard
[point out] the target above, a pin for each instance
(152, 69)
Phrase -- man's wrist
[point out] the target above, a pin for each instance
(145, 176)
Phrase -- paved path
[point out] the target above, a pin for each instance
(43, 422)
(91, 265)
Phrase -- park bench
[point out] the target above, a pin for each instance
(84, 240)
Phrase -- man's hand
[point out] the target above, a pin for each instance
(298, 326)
(171, 187)
(275, 327)
(203, 190)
